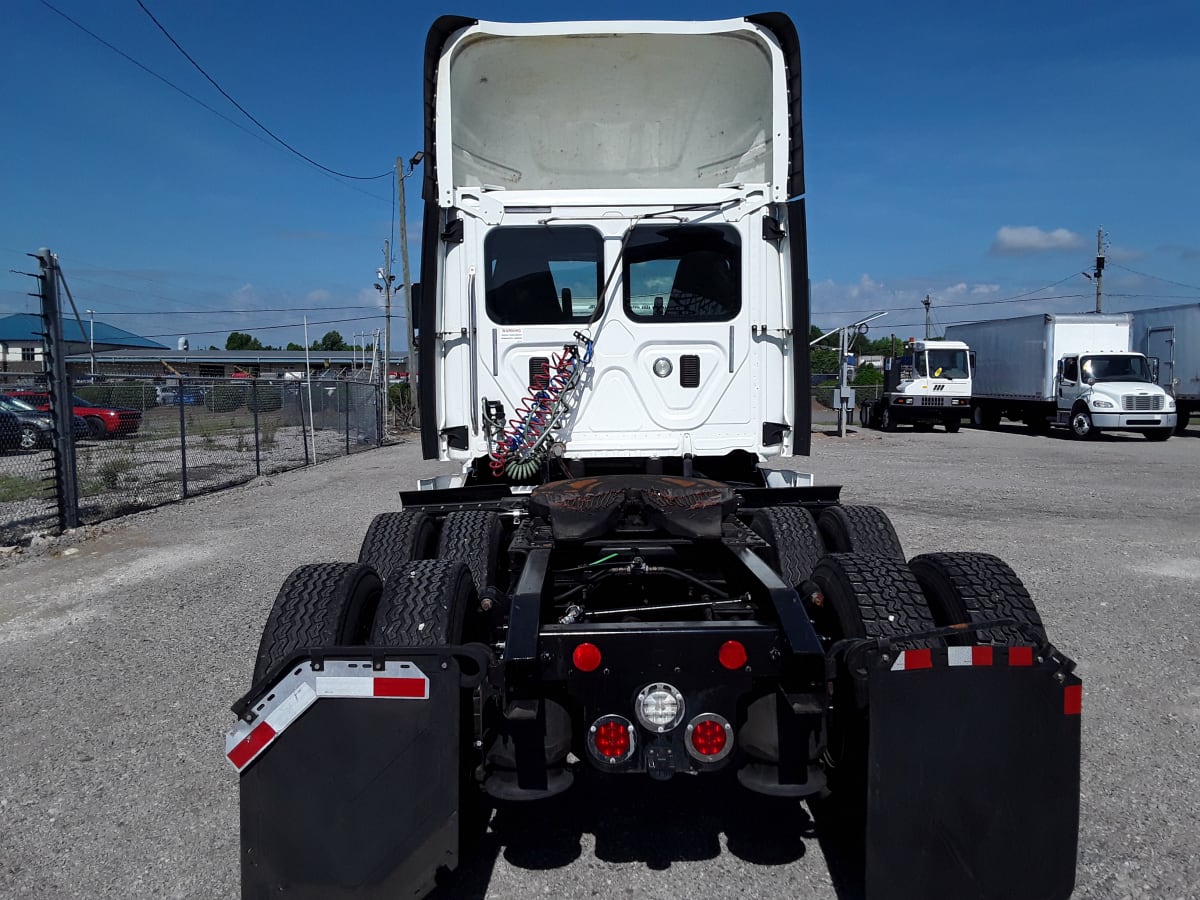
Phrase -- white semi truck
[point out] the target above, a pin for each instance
(613, 340)
(928, 384)
(1171, 335)
(1073, 371)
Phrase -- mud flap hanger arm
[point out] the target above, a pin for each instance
(478, 659)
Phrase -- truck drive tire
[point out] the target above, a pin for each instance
(973, 587)
(475, 537)
(794, 538)
(873, 597)
(423, 604)
(319, 605)
(394, 538)
(864, 415)
(865, 597)
(859, 529)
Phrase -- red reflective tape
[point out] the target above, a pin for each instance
(400, 687)
(249, 748)
(1020, 656)
(918, 659)
(1073, 699)
(981, 655)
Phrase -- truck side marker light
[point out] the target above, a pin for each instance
(586, 657)
(611, 739)
(302, 687)
(709, 737)
(732, 655)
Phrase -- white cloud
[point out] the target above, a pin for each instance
(1012, 239)
(982, 290)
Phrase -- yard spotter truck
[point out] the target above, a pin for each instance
(1077, 372)
(929, 384)
(613, 329)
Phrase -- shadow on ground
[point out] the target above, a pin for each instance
(635, 820)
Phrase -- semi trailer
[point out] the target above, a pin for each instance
(1072, 371)
(623, 580)
(928, 384)
(1170, 335)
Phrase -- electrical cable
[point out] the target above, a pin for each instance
(1157, 278)
(247, 114)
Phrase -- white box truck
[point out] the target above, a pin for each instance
(1171, 335)
(1075, 371)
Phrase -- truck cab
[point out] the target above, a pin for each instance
(1101, 391)
(928, 384)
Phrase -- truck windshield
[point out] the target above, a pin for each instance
(1116, 368)
(683, 272)
(948, 364)
(542, 275)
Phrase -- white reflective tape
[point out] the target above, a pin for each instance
(363, 686)
(961, 656)
(898, 665)
(286, 712)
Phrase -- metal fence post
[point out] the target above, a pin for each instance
(304, 425)
(347, 395)
(254, 412)
(182, 436)
(61, 406)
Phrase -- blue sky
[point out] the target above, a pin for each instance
(968, 151)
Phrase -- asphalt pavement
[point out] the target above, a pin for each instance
(121, 649)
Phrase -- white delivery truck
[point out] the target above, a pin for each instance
(1171, 335)
(928, 384)
(1076, 371)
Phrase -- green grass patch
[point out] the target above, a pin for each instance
(14, 487)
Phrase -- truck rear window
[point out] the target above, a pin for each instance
(542, 275)
(683, 273)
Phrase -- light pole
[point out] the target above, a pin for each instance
(92, 338)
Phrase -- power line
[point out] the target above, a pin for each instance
(1157, 278)
(247, 114)
(269, 327)
(238, 125)
(206, 312)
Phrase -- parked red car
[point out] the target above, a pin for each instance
(103, 421)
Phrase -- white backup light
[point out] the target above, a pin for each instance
(659, 707)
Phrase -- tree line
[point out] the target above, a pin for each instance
(332, 340)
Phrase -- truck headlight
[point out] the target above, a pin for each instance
(1102, 404)
(1170, 403)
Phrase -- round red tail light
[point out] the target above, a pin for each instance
(586, 657)
(611, 739)
(709, 737)
(732, 655)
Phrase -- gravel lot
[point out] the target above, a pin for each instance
(120, 653)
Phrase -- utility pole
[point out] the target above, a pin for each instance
(1099, 272)
(925, 303)
(386, 276)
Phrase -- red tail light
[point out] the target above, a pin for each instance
(611, 739)
(709, 737)
(732, 655)
(586, 657)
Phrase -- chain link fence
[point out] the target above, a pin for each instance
(140, 443)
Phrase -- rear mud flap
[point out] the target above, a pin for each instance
(350, 779)
(973, 776)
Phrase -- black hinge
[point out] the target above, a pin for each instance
(454, 232)
(772, 230)
(689, 371)
(773, 433)
(456, 437)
